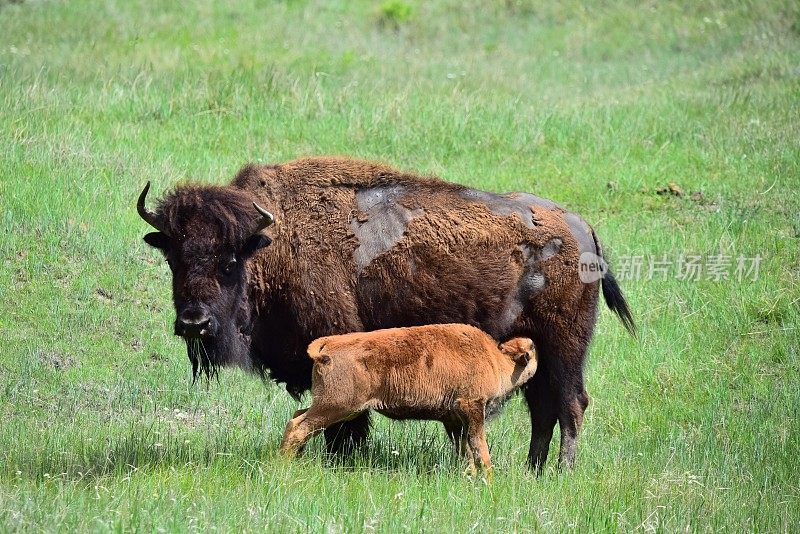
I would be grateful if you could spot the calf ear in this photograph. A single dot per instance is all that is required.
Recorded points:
(514, 350)
(157, 240)
(526, 344)
(517, 347)
(255, 243)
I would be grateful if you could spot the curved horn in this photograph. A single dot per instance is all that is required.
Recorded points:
(266, 218)
(148, 216)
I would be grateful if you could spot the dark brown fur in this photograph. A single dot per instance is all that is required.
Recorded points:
(360, 246)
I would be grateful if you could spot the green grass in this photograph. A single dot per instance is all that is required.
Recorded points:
(694, 427)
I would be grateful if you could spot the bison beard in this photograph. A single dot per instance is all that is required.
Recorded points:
(202, 364)
(207, 354)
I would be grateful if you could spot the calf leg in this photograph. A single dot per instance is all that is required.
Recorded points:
(296, 434)
(305, 424)
(475, 414)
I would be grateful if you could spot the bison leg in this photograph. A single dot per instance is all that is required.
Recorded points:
(567, 361)
(557, 395)
(542, 404)
(343, 438)
(573, 404)
(556, 391)
(457, 432)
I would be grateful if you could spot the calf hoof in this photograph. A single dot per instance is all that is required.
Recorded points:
(471, 471)
(290, 452)
(488, 476)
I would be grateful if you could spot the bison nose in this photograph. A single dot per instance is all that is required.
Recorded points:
(193, 326)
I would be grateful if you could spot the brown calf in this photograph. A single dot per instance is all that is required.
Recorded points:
(449, 373)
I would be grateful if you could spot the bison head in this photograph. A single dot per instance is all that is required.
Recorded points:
(206, 234)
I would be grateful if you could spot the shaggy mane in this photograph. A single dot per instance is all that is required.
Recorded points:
(333, 171)
(230, 209)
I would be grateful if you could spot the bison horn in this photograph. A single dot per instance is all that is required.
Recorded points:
(148, 216)
(266, 218)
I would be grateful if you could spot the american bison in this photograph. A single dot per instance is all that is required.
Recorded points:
(452, 373)
(359, 246)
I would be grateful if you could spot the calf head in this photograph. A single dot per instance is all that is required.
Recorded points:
(520, 349)
(206, 234)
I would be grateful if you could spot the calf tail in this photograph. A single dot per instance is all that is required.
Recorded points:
(612, 294)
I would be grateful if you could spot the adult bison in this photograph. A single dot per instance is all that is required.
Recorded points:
(361, 246)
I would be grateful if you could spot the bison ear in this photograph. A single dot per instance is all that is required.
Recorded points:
(157, 240)
(255, 243)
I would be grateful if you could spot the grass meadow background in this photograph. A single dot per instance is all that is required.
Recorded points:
(597, 105)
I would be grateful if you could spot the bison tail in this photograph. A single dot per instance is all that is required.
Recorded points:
(616, 301)
(613, 296)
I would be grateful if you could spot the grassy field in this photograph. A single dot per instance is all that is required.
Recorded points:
(694, 427)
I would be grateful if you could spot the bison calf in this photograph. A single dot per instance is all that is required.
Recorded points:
(450, 373)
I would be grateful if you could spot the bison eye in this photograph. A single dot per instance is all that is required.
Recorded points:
(229, 266)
